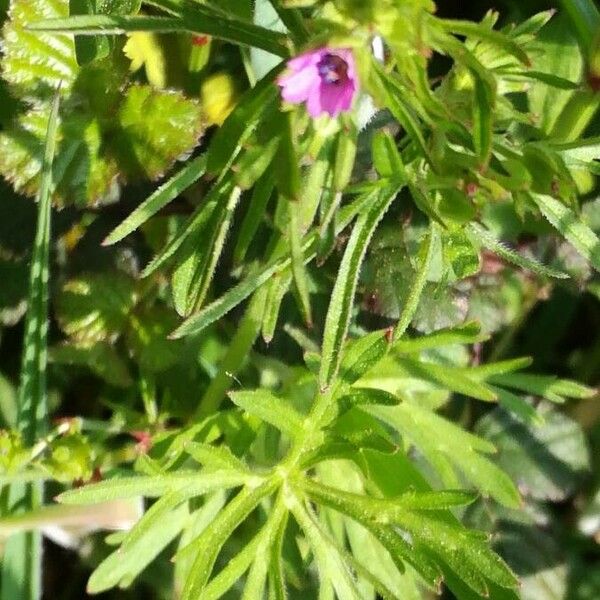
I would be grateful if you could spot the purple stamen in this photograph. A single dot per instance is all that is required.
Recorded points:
(333, 69)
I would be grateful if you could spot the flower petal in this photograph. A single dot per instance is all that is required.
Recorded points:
(306, 60)
(336, 99)
(313, 104)
(296, 86)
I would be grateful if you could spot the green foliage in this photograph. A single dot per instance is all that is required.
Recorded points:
(106, 136)
(22, 561)
(396, 261)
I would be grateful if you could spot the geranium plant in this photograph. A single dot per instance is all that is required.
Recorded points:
(280, 336)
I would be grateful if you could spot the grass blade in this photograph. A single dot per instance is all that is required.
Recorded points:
(22, 562)
(193, 18)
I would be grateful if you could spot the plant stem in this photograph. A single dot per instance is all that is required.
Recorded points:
(237, 352)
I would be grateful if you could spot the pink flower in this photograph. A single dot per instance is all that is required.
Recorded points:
(325, 79)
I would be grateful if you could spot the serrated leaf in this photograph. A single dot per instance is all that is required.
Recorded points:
(95, 307)
(155, 127)
(34, 63)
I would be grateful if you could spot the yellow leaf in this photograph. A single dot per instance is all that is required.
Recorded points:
(218, 98)
(144, 50)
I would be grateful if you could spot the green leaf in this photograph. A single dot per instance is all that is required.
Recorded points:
(247, 286)
(153, 486)
(261, 194)
(426, 254)
(155, 530)
(271, 409)
(358, 507)
(585, 241)
(358, 396)
(22, 561)
(464, 550)
(330, 563)
(200, 266)
(435, 500)
(188, 238)
(208, 544)
(167, 192)
(518, 406)
(555, 51)
(469, 333)
(461, 255)
(547, 386)
(100, 357)
(481, 32)
(502, 367)
(90, 49)
(190, 17)
(34, 63)
(236, 567)
(96, 307)
(447, 447)
(397, 105)
(219, 457)
(155, 127)
(450, 378)
(96, 149)
(342, 297)
(548, 462)
(277, 587)
(257, 576)
(487, 239)
(484, 104)
(298, 268)
(362, 354)
(585, 17)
